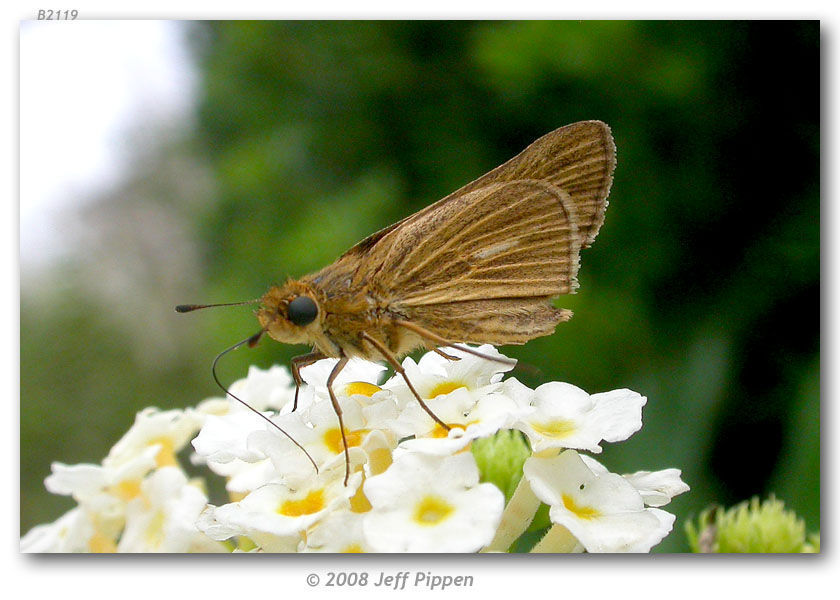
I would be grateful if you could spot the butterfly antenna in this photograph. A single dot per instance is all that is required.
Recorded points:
(185, 308)
(252, 341)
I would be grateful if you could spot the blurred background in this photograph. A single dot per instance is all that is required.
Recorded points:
(172, 162)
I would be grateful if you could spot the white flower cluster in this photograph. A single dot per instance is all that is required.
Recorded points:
(137, 500)
(413, 486)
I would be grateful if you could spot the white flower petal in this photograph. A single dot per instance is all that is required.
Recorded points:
(424, 503)
(356, 369)
(280, 512)
(620, 532)
(265, 389)
(223, 439)
(565, 416)
(340, 532)
(474, 371)
(658, 487)
(602, 510)
(71, 532)
(80, 481)
(164, 518)
(170, 429)
(617, 414)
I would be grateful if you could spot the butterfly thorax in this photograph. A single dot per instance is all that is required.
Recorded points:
(342, 310)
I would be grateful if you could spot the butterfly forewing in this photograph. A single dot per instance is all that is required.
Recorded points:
(482, 264)
(578, 158)
(508, 240)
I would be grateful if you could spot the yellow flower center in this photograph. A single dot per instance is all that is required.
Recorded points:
(237, 496)
(99, 544)
(312, 503)
(352, 549)
(432, 510)
(127, 489)
(440, 432)
(359, 503)
(362, 388)
(154, 532)
(166, 455)
(332, 439)
(582, 512)
(559, 428)
(379, 460)
(445, 387)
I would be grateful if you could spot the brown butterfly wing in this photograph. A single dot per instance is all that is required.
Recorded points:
(482, 264)
(506, 240)
(578, 158)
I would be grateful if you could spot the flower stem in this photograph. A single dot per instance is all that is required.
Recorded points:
(517, 516)
(557, 540)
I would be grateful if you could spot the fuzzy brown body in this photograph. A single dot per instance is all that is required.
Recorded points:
(480, 266)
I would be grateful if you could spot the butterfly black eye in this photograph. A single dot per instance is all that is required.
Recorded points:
(302, 310)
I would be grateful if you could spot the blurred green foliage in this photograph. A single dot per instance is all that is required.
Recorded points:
(701, 292)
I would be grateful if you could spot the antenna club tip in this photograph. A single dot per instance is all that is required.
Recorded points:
(182, 308)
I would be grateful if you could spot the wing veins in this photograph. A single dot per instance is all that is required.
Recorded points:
(460, 235)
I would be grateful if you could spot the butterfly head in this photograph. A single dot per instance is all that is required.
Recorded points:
(290, 313)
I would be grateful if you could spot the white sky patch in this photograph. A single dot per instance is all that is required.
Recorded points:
(83, 86)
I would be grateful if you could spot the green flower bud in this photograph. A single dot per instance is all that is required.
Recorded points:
(500, 459)
(750, 527)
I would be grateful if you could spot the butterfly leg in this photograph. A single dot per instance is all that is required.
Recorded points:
(392, 360)
(298, 362)
(333, 374)
(432, 337)
(445, 355)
